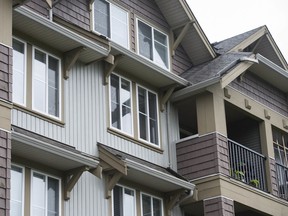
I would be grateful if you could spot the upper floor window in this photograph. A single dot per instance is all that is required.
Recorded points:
(121, 113)
(19, 72)
(111, 21)
(153, 44)
(124, 201)
(151, 206)
(121, 110)
(147, 115)
(46, 83)
(280, 141)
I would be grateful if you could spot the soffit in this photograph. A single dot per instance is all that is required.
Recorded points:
(42, 30)
(195, 43)
(42, 150)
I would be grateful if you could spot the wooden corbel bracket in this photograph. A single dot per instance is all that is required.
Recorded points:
(111, 67)
(70, 57)
(111, 182)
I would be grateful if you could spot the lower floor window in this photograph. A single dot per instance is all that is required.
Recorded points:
(17, 182)
(151, 206)
(123, 201)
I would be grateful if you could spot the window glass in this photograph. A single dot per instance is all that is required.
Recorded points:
(120, 94)
(151, 206)
(123, 201)
(280, 146)
(53, 197)
(153, 44)
(16, 191)
(111, 21)
(53, 87)
(157, 207)
(18, 72)
(143, 118)
(146, 205)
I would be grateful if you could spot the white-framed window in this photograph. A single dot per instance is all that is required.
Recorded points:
(153, 44)
(111, 21)
(46, 75)
(121, 104)
(147, 115)
(124, 201)
(19, 72)
(17, 191)
(151, 206)
(45, 195)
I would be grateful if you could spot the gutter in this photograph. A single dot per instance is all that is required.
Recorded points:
(160, 175)
(272, 65)
(61, 30)
(61, 152)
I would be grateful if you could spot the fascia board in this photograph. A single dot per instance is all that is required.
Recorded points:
(61, 30)
(273, 66)
(163, 176)
(38, 144)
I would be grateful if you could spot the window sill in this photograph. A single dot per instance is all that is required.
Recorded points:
(136, 141)
(38, 115)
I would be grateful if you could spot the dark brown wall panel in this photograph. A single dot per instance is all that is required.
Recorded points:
(263, 92)
(203, 156)
(219, 206)
(5, 73)
(39, 6)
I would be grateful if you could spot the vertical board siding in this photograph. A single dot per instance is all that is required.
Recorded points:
(86, 118)
(219, 206)
(203, 156)
(74, 11)
(263, 92)
(5, 72)
(39, 6)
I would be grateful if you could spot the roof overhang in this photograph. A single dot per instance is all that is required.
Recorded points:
(53, 154)
(271, 73)
(139, 171)
(40, 29)
(137, 66)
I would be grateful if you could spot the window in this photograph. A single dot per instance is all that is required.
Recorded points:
(121, 113)
(280, 141)
(17, 191)
(19, 72)
(46, 83)
(153, 44)
(121, 110)
(45, 196)
(123, 201)
(147, 115)
(151, 206)
(111, 21)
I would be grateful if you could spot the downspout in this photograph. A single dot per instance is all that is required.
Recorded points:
(167, 131)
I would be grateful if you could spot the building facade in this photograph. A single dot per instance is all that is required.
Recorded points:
(123, 107)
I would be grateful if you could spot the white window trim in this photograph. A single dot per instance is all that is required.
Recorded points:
(153, 46)
(128, 23)
(132, 108)
(25, 70)
(46, 177)
(60, 84)
(162, 203)
(138, 121)
(23, 186)
(135, 198)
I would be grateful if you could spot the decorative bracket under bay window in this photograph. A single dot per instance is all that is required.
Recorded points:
(111, 181)
(71, 178)
(111, 67)
(70, 57)
(166, 97)
(175, 197)
(181, 36)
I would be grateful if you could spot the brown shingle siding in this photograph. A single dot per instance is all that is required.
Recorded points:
(39, 6)
(5, 73)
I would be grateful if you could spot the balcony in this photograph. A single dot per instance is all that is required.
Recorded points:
(247, 165)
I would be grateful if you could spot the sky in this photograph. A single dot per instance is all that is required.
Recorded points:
(221, 19)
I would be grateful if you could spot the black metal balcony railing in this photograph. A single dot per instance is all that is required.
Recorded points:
(247, 165)
(282, 177)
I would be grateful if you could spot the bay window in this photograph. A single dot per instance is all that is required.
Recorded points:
(124, 201)
(151, 206)
(111, 21)
(46, 83)
(19, 72)
(153, 45)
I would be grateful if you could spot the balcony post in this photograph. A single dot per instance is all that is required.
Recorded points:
(268, 151)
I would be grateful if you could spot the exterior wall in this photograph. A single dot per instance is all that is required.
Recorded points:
(5, 72)
(262, 92)
(39, 6)
(203, 156)
(85, 94)
(273, 177)
(218, 206)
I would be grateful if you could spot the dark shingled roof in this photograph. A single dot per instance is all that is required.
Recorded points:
(213, 68)
(226, 45)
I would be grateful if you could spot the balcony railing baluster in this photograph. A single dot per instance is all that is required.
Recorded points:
(247, 165)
